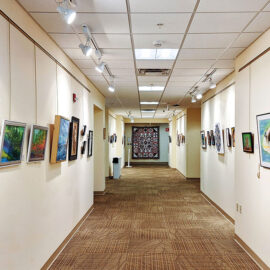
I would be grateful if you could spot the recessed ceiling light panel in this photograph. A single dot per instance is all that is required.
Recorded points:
(151, 88)
(156, 54)
(149, 102)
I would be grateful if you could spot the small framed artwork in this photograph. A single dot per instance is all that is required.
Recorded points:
(37, 143)
(219, 139)
(60, 139)
(203, 139)
(83, 131)
(170, 139)
(208, 138)
(178, 140)
(183, 139)
(248, 142)
(233, 136)
(263, 125)
(11, 147)
(73, 138)
(83, 147)
(90, 144)
(104, 133)
(212, 137)
(228, 137)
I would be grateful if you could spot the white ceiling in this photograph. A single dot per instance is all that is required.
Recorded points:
(218, 32)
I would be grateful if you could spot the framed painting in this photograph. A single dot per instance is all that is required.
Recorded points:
(83, 131)
(73, 138)
(233, 136)
(228, 137)
(60, 139)
(90, 144)
(212, 137)
(170, 139)
(203, 139)
(37, 143)
(219, 140)
(209, 138)
(83, 147)
(11, 147)
(263, 125)
(248, 142)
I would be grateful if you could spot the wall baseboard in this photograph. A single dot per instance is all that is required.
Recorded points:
(148, 163)
(218, 208)
(251, 253)
(99, 193)
(53, 257)
(193, 178)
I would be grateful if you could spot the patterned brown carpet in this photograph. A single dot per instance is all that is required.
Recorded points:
(152, 219)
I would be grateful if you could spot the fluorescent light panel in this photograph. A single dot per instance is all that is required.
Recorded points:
(151, 88)
(147, 111)
(149, 102)
(156, 54)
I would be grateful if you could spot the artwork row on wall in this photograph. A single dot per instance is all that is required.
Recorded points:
(65, 137)
(180, 138)
(216, 138)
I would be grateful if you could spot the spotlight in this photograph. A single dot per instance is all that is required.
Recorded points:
(86, 49)
(68, 14)
(100, 67)
(212, 85)
(111, 88)
(193, 99)
(199, 96)
(98, 53)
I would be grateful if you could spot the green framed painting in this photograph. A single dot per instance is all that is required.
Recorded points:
(248, 142)
(12, 139)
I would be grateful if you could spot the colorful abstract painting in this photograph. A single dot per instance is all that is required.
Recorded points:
(219, 138)
(37, 143)
(145, 142)
(248, 143)
(12, 142)
(263, 123)
(60, 139)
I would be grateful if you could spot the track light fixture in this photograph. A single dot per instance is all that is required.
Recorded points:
(68, 14)
(86, 49)
(199, 96)
(193, 99)
(100, 68)
(111, 88)
(212, 85)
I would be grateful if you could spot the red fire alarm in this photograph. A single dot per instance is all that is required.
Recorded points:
(74, 97)
(167, 129)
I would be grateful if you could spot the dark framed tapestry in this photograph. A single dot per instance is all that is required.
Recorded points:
(145, 142)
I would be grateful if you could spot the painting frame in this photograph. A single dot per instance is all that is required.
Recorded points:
(31, 159)
(233, 136)
(219, 139)
(73, 138)
(63, 123)
(203, 140)
(6, 123)
(263, 129)
(90, 143)
(250, 136)
(228, 138)
(213, 143)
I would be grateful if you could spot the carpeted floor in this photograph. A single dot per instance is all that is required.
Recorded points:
(152, 219)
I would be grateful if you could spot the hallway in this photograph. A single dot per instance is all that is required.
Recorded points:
(153, 219)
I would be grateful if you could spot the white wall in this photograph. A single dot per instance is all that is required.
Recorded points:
(181, 154)
(253, 193)
(40, 203)
(163, 143)
(217, 171)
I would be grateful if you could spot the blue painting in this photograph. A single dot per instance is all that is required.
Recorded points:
(63, 140)
(263, 122)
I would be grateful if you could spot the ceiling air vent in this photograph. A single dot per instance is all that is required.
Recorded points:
(153, 72)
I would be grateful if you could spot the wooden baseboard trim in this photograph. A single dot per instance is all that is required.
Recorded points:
(251, 253)
(218, 208)
(54, 256)
(99, 193)
(192, 179)
(148, 163)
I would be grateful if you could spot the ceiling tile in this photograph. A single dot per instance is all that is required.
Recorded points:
(113, 41)
(143, 41)
(209, 40)
(114, 63)
(173, 23)
(82, 5)
(150, 96)
(260, 24)
(117, 54)
(184, 78)
(85, 63)
(224, 64)
(220, 22)
(155, 80)
(180, 84)
(162, 6)
(122, 71)
(194, 63)
(66, 41)
(154, 64)
(199, 53)
(188, 72)
(230, 5)
(76, 54)
(98, 22)
(245, 39)
(231, 53)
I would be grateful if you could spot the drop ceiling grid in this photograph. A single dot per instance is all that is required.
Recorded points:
(214, 27)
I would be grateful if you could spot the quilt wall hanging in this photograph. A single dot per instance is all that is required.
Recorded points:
(145, 142)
